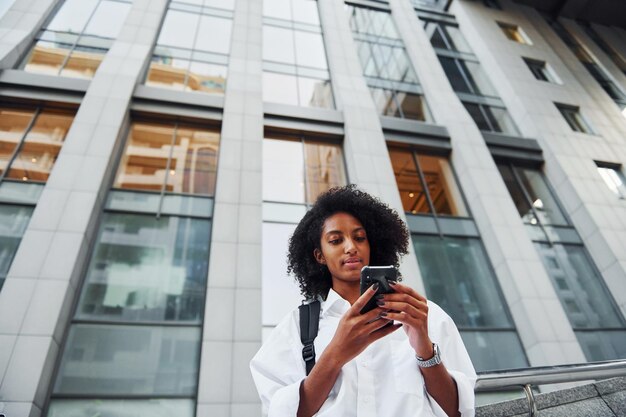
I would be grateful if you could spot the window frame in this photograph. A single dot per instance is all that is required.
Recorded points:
(514, 32)
(617, 168)
(574, 118)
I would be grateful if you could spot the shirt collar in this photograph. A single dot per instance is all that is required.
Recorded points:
(334, 305)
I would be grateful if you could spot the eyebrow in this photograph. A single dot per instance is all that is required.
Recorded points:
(339, 232)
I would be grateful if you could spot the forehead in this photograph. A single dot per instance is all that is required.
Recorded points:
(342, 222)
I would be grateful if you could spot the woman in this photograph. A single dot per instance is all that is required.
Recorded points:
(363, 367)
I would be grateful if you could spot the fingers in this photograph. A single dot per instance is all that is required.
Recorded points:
(363, 299)
(403, 289)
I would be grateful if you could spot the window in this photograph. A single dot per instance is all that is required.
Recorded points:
(541, 70)
(457, 276)
(297, 169)
(613, 178)
(191, 52)
(605, 46)
(491, 119)
(426, 183)
(75, 40)
(467, 76)
(579, 286)
(295, 70)
(573, 118)
(514, 33)
(445, 36)
(386, 66)
(135, 335)
(30, 141)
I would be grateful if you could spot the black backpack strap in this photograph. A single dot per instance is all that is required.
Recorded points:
(309, 325)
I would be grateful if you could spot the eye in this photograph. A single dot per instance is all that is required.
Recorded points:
(335, 241)
(360, 238)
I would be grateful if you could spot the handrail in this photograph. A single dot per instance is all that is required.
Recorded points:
(527, 377)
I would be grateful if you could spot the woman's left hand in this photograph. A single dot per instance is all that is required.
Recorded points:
(408, 307)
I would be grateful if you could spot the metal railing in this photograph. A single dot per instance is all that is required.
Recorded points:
(528, 377)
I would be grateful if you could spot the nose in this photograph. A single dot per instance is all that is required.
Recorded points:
(349, 247)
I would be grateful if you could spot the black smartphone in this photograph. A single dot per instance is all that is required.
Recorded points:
(380, 275)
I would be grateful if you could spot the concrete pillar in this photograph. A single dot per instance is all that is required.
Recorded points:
(39, 292)
(232, 322)
(520, 272)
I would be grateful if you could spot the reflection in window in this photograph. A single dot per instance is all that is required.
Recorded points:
(74, 42)
(191, 52)
(297, 170)
(613, 178)
(147, 269)
(412, 170)
(13, 222)
(514, 33)
(154, 407)
(386, 65)
(458, 277)
(295, 70)
(174, 158)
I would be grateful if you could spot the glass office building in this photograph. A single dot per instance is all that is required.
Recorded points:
(156, 157)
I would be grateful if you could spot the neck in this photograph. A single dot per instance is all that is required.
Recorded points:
(349, 291)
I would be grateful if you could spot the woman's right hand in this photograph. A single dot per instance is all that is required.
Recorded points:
(357, 331)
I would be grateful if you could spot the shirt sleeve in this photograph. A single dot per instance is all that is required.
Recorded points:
(278, 371)
(455, 358)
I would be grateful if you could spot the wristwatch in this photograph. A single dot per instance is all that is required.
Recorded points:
(427, 363)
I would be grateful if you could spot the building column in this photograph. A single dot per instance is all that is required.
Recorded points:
(41, 287)
(520, 272)
(367, 159)
(232, 321)
(19, 26)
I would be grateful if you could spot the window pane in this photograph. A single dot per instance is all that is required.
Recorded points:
(442, 187)
(481, 83)
(129, 360)
(47, 57)
(208, 78)
(585, 299)
(147, 269)
(436, 38)
(324, 168)
(154, 407)
(603, 345)
(41, 147)
(544, 202)
(614, 180)
(310, 50)
(278, 45)
(179, 29)
(280, 88)
(494, 350)
(517, 194)
(83, 62)
(456, 39)
(73, 16)
(167, 72)
(305, 11)
(13, 222)
(501, 121)
(315, 93)
(279, 9)
(477, 115)
(283, 171)
(13, 124)
(281, 293)
(108, 19)
(457, 276)
(144, 161)
(20, 192)
(413, 106)
(414, 199)
(385, 102)
(214, 34)
(453, 72)
(194, 162)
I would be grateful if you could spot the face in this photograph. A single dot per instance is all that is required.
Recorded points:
(344, 247)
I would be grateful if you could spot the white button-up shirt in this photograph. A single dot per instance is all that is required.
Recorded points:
(383, 381)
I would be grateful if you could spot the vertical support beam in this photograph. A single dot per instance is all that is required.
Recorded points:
(43, 282)
(367, 158)
(232, 322)
(520, 272)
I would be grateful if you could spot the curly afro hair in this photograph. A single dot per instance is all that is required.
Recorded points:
(386, 232)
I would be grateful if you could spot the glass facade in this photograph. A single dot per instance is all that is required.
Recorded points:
(468, 79)
(578, 284)
(30, 141)
(191, 52)
(386, 65)
(74, 41)
(134, 340)
(295, 70)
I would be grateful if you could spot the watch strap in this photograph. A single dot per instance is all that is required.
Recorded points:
(427, 363)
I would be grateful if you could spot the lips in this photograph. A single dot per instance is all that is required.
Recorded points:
(353, 260)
